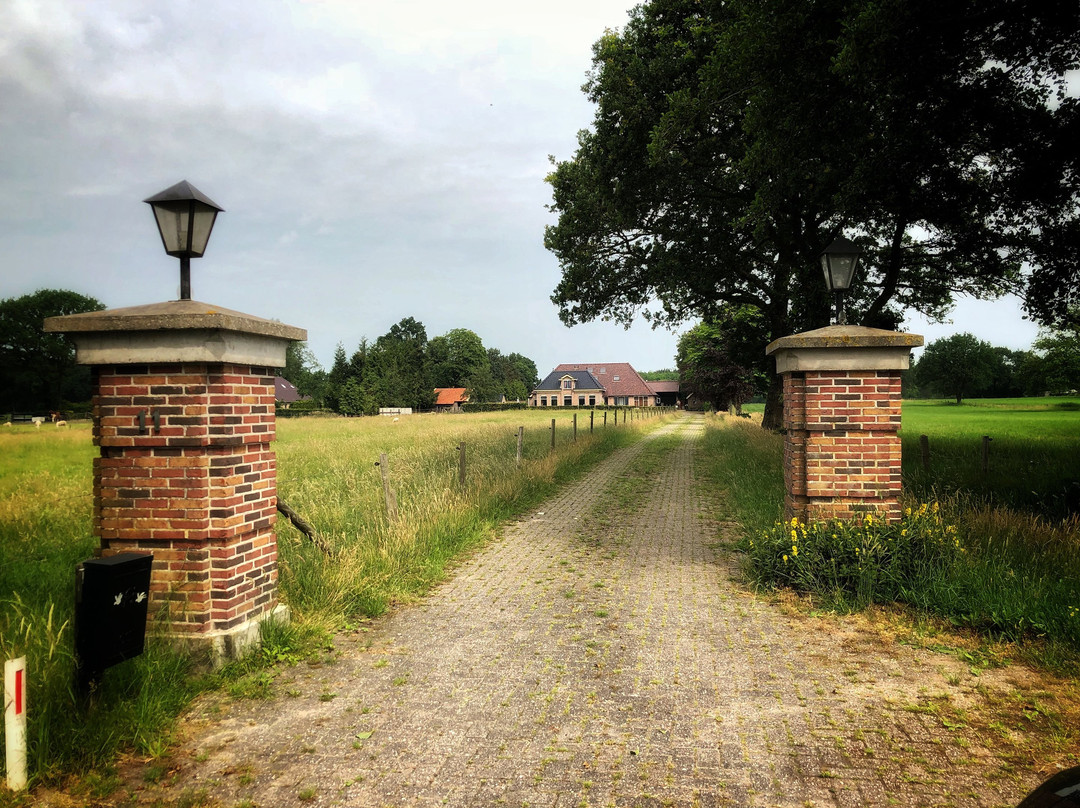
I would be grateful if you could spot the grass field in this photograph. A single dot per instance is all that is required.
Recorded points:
(1034, 461)
(327, 474)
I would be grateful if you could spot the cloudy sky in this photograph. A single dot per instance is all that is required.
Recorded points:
(376, 160)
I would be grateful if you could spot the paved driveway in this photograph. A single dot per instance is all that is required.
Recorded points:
(594, 656)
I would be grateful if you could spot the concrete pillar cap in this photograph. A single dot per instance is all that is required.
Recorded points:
(175, 331)
(844, 347)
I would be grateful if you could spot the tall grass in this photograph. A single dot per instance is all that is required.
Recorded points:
(1010, 575)
(45, 510)
(327, 473)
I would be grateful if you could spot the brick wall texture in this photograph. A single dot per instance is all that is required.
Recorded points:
(186, 472)
(842, 448)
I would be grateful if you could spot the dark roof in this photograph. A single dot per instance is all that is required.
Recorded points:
(286, 391)
(628, 382)
(583, 380)
(665, 386)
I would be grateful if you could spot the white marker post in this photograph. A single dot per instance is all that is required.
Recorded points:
(15, 722)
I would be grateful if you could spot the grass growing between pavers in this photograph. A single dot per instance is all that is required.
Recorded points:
(326, 467)
(1012, 565)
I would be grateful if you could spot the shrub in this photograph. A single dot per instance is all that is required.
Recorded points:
(858, 563)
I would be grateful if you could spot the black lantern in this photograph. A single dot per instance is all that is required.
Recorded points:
(838, 262)
(185, 216)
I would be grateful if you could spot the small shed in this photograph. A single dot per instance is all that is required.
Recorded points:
(666, 392)
(449, 399)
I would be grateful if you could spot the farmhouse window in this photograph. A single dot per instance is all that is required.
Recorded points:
(543, 401)
(581, 401)
(568, 401)
(614, 378)
(568, 384)
(592, 401)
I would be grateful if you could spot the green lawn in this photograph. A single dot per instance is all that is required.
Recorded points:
(1034, 463)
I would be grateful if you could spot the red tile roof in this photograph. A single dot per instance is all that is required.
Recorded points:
(449, 396)
(618, 378)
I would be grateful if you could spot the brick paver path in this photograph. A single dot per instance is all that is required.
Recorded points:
(597, 657)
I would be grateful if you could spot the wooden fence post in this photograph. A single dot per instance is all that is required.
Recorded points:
(461, 463)
(575, 427)
(552, 433)
(924, 451)
(986, 453)
(521, 440)
(388, 492)
(591, 414)
(605, 419)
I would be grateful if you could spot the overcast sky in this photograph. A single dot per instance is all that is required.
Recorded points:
(376, 160)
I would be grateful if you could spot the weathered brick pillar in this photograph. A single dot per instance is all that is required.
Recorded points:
(841, 420)
(184, 418)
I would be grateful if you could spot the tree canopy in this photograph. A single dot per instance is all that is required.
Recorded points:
(958, 365)
(734, 139)
(38, 370)
(403, 367)
(719, 359)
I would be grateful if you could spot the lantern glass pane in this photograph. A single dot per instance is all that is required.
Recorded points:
(843, 267)
(172, 223)
(825, 269)
(200, 231)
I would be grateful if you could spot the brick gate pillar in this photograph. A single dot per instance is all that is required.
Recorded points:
(841, 420)
(183, 411)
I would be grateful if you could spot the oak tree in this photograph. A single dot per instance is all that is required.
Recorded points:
(734, 139)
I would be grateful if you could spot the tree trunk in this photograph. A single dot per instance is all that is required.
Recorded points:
(774, 404)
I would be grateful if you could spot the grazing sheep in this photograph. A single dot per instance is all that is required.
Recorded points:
(60, 424)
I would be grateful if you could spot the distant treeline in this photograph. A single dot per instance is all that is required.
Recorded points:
(403, 367)
(963, 366)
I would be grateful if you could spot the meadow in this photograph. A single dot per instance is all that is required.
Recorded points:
(327, 474)
(1034, 452)
(995, 552)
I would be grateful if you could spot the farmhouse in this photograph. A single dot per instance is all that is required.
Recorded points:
(567, 388)
(588, 385)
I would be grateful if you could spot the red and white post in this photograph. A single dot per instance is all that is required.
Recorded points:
(15, 722)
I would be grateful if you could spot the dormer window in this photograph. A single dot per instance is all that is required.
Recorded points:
(614, 378)
(568, 384)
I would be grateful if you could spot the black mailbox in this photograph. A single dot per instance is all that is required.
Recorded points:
(111, 596)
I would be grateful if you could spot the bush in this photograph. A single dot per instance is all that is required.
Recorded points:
(493, 406)
(927, 562)
(858, 563)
